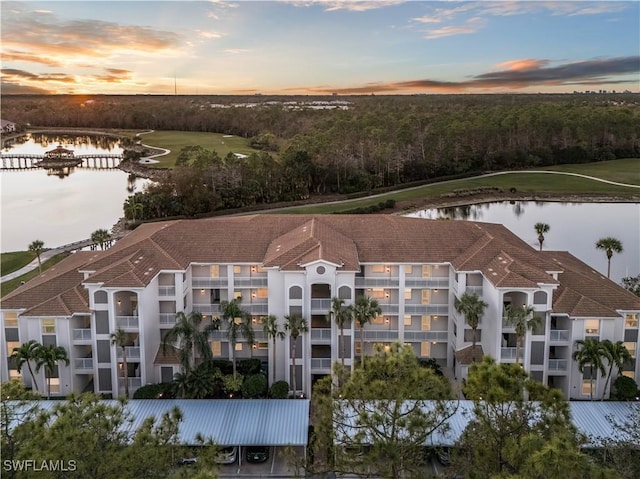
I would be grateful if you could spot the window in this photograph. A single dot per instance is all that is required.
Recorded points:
(378, 268)
(11, 319)
(630, 320)
(586, 387)
(295, 292)
(358, 348)
(378, 320)
(344, 292)
(407, 320)
(426, 271)
(11, 345)
(214, 271)
(377, 293)
(238, 347)
(408, 269)
(49, 326)
(629, 374)
(407, 294)
(425, 348)
(216, 348)
(54, 384)
(426, 323)
(631, 347)
(263, 345)
(592, 327)
(237, 295)
(426, 296)
(262, 292)
(14, 374)
(237, 269)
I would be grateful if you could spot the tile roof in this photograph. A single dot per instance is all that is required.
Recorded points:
(170, 355)
(469, 355)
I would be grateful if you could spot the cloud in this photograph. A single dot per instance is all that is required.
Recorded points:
(10, 88)
(236, 51)
(517, 74)
(17, 56)
(350, 5)
(473, 25)
(12, 74)
(204, 34)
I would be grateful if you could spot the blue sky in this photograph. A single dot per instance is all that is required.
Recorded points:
(319, 47)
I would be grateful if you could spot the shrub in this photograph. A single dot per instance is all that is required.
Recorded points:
(625, 388)
(249, 366)
(224, 365)
(153, 391)
(279, 390)
(254, 386)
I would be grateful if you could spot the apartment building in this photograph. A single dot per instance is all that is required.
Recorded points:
(284, 264)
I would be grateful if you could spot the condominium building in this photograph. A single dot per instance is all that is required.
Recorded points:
(285, 264)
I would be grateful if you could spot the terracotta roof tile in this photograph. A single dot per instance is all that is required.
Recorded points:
(170, 355)
(469, 355)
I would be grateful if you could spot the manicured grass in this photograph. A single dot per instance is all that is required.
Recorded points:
(10, 262)
(523, 182)
(10, 285)
(177, 140)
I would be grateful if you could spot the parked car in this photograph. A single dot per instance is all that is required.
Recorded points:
(227, 455)
(187, 461)
(257, 453)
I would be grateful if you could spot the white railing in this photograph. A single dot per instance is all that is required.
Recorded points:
(474, 289)
(324, 363)
(83, 363)
(207, 308)
(558, 364)
(133, 352)
(437, 282)
(510, 353)
(321, 304)
(168, 318)
(559, 335)
(426, 309)
(320, 334)
(127, 322)
(388, 308)
(361, 282)
(426, 335)
(133, 382)
(166, 290)
(378, 335)
(209, 282)
(253, 282)
(81, 334)
(256, 308)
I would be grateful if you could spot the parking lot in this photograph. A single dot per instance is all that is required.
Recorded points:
(276, 466)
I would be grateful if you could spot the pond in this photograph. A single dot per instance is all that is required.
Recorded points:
(60, 208)
(574, 227)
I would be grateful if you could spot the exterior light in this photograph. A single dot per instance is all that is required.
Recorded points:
(202, 291)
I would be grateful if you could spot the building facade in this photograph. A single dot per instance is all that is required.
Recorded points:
(285, 264)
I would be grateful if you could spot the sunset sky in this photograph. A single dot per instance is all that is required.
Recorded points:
(319, 47)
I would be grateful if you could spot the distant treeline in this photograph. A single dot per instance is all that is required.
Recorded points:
(378, 141)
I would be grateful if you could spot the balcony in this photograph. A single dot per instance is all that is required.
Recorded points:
(559, 335)
(361, 282)
(166, 290)
(82, 334)
(323, 304)
(207, 308)
(321, 335)
(410, 282)
(474, 290)
(426, 335)
(127, 322)
(209, 282)
(168, 318)
(253, 282)
(134, 383)
(83, 363)
(256, 308)
(321, 363)
(380, 335)
(510, 353)
(133, 352)
(558, 364)
(424, 309)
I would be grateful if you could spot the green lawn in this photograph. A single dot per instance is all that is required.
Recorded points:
(10, 262)
(9, 286)
(622, 171)
(177, 140)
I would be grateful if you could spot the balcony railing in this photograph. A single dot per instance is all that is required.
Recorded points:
(127, 322)
(378, 335)
(207, 308)
(168, 318)
(321, 334)
(256, 308)
(83, 363)
(510, 353)
(426, 282)
(321, 304)
(133, 352)
(253, 282)
(320, 363)
(426, 335)
(166, 290)
(209, 282)
(559, 335)
(81, 334)
(361, 282)
(558, 364)
(426, 309)
(474, 290)
(133, 382)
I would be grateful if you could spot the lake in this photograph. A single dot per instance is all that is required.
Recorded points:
(61, 210)
(574, 227)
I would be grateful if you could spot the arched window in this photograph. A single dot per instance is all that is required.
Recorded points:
(344, 292)
(295, 292)
(100, 297)
(540, 297)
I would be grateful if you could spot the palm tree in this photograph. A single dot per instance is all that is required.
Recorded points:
(472, 306)
(121, 339)
(541, 229)
(133, 207)
(616, 355)
(590, 353)
(610, 245)
(49, 356)
(238, 324)
(26, 353)
(342, 315)
(296, 325)
(365, 309)
(101, 237)
(37, 247)
(189, 337)
(270, 327)
(523, 320)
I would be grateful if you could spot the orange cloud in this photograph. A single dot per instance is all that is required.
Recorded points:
(523, 64)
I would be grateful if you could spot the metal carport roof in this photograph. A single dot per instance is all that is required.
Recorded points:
(229, 422)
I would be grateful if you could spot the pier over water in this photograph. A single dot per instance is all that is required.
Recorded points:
(24, 161)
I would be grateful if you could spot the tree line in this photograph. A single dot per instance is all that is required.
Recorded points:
(379, 141)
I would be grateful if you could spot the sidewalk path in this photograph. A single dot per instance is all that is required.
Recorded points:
(44, 256)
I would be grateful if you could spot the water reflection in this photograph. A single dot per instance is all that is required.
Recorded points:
(575, 227)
